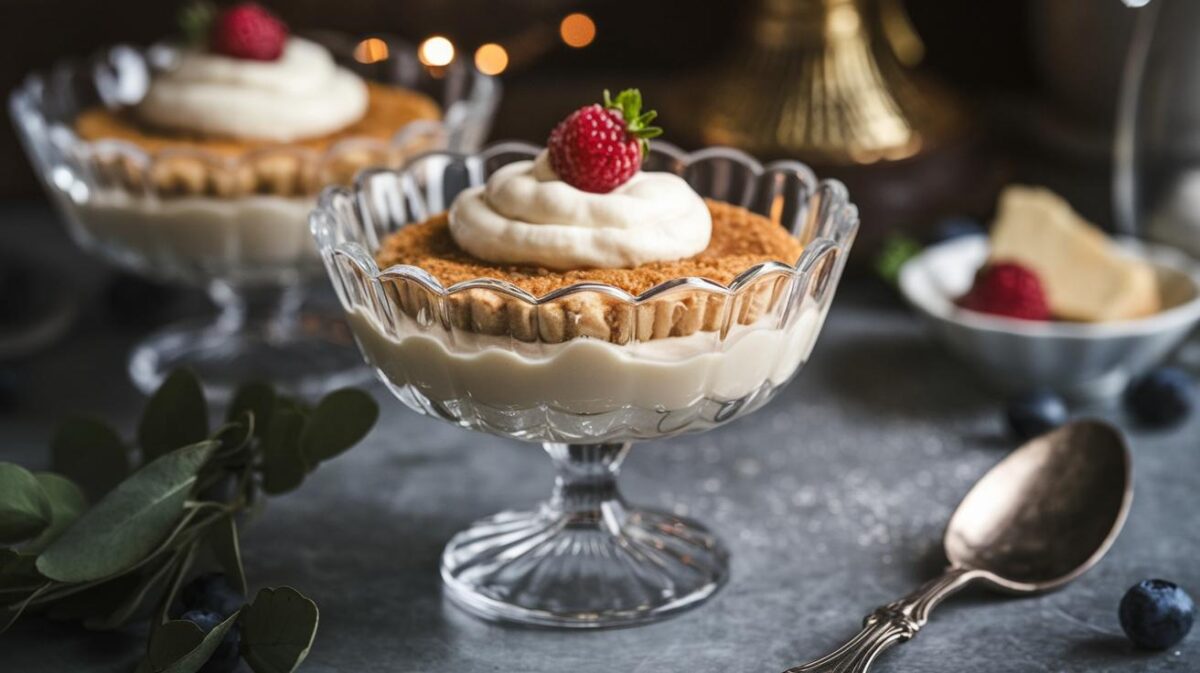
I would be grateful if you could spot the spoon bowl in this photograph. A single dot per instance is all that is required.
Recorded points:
(1047, 512)
(1037, 520)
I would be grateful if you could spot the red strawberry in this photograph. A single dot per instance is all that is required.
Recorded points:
(1007, 289)
(248, 31)
(598, 148)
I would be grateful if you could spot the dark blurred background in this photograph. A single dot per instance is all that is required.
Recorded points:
(1037, 76)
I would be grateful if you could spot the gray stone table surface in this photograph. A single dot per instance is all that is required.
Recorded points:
(833, 499)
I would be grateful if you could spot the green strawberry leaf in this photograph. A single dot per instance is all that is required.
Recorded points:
(629, 104)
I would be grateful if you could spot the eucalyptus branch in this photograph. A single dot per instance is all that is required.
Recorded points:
(143, 536)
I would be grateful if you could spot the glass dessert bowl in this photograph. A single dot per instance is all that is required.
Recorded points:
(148, 180)
(586, 369)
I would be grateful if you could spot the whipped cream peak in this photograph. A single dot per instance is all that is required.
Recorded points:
(302, 94)
(526, 215)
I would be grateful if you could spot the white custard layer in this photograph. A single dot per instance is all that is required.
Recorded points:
(588, 376)
(223, 235)
(526, 215)
(303, 94)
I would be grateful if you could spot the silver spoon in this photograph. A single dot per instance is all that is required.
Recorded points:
(1040, 518)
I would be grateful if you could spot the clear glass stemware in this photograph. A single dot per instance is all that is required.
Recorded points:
(1157, 157)
(232, 224)
(1156, 186)
(684, 356)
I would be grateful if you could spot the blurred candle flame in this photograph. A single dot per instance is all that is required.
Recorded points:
(436, 51)
(491, 59)
(371, 50)
(577, 30)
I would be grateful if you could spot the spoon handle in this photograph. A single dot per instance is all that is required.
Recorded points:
(893, 623)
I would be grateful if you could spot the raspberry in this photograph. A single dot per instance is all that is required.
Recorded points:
(598, 148)
(1007, 289)
(248, 31)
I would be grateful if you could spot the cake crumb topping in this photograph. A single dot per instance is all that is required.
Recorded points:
(740, 239)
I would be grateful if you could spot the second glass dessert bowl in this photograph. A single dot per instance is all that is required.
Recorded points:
(231, 221)
(585, 370)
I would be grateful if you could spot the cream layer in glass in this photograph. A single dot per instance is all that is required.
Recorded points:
(588, 376)
(204, 231)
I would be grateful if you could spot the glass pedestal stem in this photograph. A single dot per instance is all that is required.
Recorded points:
(259, 334)
(585, 485)
(584, 559)
(270, 310)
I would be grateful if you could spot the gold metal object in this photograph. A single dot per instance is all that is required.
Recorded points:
(1039, 519)
(828, 81)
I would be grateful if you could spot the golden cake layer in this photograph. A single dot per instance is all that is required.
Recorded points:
(186, 165)
(740, 240)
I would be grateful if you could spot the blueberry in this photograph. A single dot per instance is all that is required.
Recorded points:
(956, 226)
(1156, 614)
(1161, 398)
(226, 656)
(1034, 413)
(212, 592)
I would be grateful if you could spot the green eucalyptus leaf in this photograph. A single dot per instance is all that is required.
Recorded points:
(129, 523)
(256, 398)
(148, 584)
(278, 629)
(24, 506)
(10, 614)
(340, 420)
(223, 542)
(67, 502)
(175, 416)
(235, 435)
(95, 601)
(171, 642)
(90, 453)
(194, 659)
(178, 575)
(283, 463)
(294, 404)
(18, 572)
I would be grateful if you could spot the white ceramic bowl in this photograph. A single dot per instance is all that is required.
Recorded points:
(1080, 360)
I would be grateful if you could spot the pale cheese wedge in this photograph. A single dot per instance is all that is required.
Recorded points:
(1085, 276)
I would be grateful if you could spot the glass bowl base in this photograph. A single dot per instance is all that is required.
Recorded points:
(567, 569)
(311, 358)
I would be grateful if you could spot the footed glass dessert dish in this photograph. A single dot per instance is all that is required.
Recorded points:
(225, 215)
(585, 370)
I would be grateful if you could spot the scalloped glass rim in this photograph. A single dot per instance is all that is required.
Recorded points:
(839, 210)
(28, 105)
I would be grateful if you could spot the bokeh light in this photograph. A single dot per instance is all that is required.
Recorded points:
(436, 51)
(577, 30)
(491, 59)
(371, 50)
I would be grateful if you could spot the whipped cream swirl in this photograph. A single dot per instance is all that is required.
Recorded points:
(526, 215)
(301, 95)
